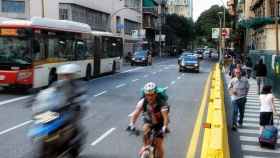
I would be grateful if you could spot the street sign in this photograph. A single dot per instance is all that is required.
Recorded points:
(226, 32)
(215, 33)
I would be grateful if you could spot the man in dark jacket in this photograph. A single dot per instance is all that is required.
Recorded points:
(261, 73)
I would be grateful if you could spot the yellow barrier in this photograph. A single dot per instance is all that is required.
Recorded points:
(215, 139)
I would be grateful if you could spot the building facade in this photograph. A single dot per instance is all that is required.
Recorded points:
(121, 17)
(181, 7)
(257, 17)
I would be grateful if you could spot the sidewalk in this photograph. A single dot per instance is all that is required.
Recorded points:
(244, 142)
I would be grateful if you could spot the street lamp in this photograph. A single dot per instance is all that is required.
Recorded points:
(276, 26)
(43, 8)
(220, 37)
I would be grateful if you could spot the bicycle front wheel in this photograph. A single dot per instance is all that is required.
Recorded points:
(146, 154)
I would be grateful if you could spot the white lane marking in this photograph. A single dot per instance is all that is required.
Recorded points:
(178, 78)
(160, 70)
(131, 70)
(146, 76)
(103, 136)
(166, 68)
(15, 127)
(135, 80)
(250, 125)
(183, 74)
(173, 82)
(258, 149)
(154, 73)
(251, 156)
(99, 94)
(13, 100)
(121, 85)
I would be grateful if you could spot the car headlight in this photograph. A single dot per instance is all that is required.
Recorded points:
(143, 58)
(183, 64)
(133, 58)
(196, 65)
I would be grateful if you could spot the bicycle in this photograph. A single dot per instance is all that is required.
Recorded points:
(150, 151)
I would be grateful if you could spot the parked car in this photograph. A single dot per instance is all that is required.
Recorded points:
(185, 53)
(189, 62)
(142, 57)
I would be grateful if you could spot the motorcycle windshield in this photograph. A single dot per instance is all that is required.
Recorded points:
(39, 130)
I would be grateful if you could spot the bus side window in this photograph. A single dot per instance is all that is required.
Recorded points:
(38, 50)
(81, 50)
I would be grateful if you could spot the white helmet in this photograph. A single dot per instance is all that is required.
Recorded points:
(68, 69)
(48, 100)
(150, 88)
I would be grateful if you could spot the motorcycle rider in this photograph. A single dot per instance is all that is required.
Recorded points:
(66, 97)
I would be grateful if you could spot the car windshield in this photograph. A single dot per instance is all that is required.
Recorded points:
(190, 58)
(14, 50)
(140, 54)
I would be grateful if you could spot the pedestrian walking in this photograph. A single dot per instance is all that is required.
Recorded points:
(232, 66)
(261, 73)
(238, 88)
(249, 66)
(267, 109)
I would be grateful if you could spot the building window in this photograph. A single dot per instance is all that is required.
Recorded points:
(63, 14)
(134, 4)
(118, 24)
(129, 26)
(12, 6)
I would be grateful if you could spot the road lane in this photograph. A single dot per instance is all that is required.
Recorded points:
(110, 110)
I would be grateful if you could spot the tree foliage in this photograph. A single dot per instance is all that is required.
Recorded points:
(207, 20)
(179, 30)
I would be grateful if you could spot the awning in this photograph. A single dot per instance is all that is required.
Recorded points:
(149, 3)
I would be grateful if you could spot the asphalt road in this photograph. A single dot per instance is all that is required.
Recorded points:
(111, 99)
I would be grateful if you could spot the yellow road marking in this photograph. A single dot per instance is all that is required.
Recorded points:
(197, 128)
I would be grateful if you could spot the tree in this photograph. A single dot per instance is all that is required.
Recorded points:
(179, 31)
(207, 20)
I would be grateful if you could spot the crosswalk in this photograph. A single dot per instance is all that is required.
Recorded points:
(249, 133)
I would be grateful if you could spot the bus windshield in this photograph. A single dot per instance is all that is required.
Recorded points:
(14, 50)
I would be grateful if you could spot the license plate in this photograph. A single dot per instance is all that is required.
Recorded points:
(2, 77)
(190, 67)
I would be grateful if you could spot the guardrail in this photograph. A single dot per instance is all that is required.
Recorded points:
(215, 139)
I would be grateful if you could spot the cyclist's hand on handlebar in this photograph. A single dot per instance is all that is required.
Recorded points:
(130, 127)
(164, 129)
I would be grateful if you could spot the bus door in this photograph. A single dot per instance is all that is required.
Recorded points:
(97, 55)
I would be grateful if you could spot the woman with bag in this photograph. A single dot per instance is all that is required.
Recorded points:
(267, 109)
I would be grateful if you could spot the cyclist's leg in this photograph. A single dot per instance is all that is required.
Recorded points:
(159, 147)
(146, 129)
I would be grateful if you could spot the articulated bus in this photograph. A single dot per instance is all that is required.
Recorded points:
(31, 51)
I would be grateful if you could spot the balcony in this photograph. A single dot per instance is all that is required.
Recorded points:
(148, 22)
(256, 4)
(151, 11)
(230, 3)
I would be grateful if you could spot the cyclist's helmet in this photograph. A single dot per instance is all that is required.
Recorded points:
(150, 88)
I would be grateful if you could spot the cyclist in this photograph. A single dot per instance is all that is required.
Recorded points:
(155, 114)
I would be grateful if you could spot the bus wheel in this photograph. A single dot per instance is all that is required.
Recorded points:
(52, 76)
(88, 73)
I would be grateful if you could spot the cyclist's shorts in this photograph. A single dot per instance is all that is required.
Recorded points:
(157, 128)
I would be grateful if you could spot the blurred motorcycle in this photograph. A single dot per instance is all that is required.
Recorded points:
(56, 131)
